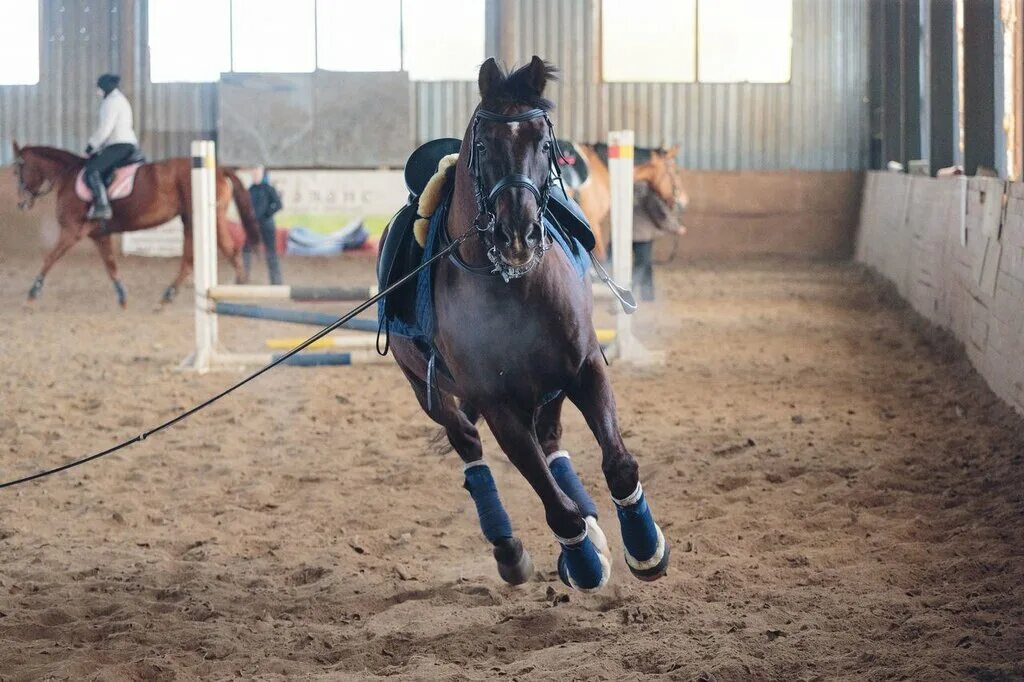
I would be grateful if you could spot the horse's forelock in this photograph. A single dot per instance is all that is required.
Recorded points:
(523, 85)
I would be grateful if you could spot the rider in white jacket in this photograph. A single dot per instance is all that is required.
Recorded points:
(113, 143)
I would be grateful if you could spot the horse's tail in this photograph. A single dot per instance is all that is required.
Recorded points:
(245, 210)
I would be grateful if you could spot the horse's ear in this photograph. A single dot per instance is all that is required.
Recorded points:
(17, 149)
(540, 72)
(490, 76)
(672, 152)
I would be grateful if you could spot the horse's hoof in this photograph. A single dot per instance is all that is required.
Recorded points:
(169, 294)
(514, 563)
(655, 567)
(582, 567)
(36, 289)
(122, 295)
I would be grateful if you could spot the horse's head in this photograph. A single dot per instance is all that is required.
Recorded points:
(510, 150)
(661, 172)
(32, 181)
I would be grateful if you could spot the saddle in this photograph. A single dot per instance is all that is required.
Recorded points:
(573, 165)
(119, 181)
(399, 252)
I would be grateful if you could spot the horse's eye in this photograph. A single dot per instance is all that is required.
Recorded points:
(481, 148)
(546, 146)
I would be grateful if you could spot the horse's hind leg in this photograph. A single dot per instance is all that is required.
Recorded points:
(580, 565)
(185, 267)
(647, 551)
(514, 564)
(227, 244)
(106, 249)
(549, 433)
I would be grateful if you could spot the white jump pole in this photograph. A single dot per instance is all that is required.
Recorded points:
(620, 170)
(204, 249)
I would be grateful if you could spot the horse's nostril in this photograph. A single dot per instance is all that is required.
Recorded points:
(505, 236)
(532, 234)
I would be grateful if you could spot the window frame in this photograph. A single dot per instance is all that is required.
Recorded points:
(38, 53)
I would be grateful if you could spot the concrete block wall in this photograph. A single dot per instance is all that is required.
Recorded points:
(954, 248)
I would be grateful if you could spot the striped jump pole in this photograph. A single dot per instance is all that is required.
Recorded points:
(204, 251)
(304, 359)
(284, 292)
(620, 171)
(309, 317)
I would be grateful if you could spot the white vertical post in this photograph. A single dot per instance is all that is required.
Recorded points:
(204, 249)
(620, 169)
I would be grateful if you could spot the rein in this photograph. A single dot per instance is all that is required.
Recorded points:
(451, 247)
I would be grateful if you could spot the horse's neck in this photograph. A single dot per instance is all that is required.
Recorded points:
(56, 165)
(644, 173)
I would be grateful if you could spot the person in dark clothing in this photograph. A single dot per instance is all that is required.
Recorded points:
(650, 218)
(265, 203)
(112, 144)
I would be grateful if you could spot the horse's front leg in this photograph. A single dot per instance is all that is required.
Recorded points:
(70, 233)
(580, 564)
(514, 564)
(647, 551)
(105, 246)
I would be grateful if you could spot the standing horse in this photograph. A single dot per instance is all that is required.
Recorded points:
(515, 337)
(162, 192)
(656, 167)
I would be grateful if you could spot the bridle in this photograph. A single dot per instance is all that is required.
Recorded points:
(486, 220)
(29, 195)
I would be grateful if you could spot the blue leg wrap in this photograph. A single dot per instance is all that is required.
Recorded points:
(646, 549)
(37, 288)
(122, 296)
(582, 567)
(566, 478)
(494, 521)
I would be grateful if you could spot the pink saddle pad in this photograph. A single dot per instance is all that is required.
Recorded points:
(120, 187)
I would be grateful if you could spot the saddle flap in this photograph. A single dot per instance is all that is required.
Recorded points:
(570, 218)
(398, 250)
(118, 187)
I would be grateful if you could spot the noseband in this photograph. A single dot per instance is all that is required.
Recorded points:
(486, 220)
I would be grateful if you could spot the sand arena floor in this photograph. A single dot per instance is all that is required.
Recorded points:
(844, 496)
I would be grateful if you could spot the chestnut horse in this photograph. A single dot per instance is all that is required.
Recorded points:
(656, 167)
(162, 191)
(514, 336)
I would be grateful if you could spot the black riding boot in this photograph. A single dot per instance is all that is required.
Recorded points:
(100, 209)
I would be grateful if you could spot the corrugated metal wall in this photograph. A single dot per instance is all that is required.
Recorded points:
(818, 121)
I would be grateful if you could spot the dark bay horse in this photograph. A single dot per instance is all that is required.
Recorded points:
(514, 346)
(657, 167)
(162, 191)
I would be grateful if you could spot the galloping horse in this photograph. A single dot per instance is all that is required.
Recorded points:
(162, 192)
(656, 167)
(514, 337)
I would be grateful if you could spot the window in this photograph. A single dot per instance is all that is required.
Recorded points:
(189, 40)
(707, 40)
(443, 39)
(739, 41)
(648, 40)
(19, 42)
(197, 40)
(271, 36)
(353, 35)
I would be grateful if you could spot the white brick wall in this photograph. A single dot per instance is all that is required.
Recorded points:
(910, 232)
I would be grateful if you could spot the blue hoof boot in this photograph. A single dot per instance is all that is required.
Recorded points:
(122, 295)
(169, 294)
(36, 289)
(582, 567)
(647, 551)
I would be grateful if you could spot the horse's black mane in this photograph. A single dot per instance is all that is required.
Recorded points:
(516, 87)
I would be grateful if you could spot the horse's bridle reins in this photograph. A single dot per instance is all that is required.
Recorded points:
(486, 220)
(29, 195)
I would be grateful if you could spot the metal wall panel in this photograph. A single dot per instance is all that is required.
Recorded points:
(818, 121)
